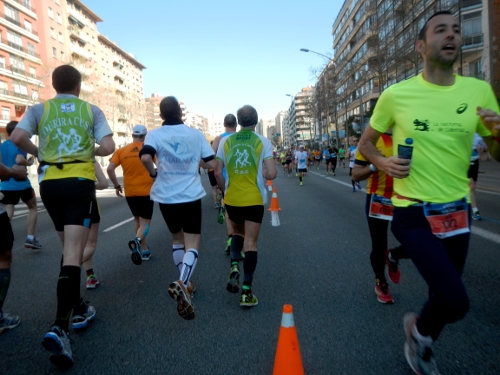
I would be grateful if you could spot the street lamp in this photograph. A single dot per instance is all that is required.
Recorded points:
(317, 53)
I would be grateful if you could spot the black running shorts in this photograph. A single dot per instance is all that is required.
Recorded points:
(473, 170)
(141, 206)
(7, 235)
(248, 213)
(96, 213)
(211, 177)
(69, 201)
(302, 170)
(182, 216)
(13, 196)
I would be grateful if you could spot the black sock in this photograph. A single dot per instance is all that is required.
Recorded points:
(236, 247)
(300, 178)
(249, 265)
(353, 182)
(350, 171)
(68, 294)
(4, 285)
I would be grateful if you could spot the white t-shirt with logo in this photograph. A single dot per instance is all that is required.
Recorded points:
(179, 150)
(302, 159)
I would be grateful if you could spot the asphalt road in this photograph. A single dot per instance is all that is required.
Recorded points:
(317, 260)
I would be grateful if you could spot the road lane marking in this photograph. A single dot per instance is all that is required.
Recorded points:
(486, 234)
(118, 225)
(337, 181)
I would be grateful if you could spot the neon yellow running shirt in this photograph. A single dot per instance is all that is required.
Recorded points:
(442, 121)
(243, 154)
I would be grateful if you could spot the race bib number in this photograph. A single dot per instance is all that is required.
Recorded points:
(448, 219)
(381, 207)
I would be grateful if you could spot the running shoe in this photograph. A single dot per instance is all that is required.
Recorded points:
(57, 342)
(32, 244)
(383, 294)
(392, 271)
(358, 185)
(333, 173)
(222, 215)
(247, 298)
(191, 288)
(228, 246)
(353, 189)
(135, 247)
(146, 254)
(233, 281)
(8, 321)
(92, 282)
(178, 292)
(82, 315)
(296, 175)
(418, 351)
(477, 216)
(216, 205)
(300, 183)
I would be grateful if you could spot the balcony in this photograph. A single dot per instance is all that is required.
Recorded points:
(14, 97)
(78, 35)
(23, 6)
(85, 72)
(80, 51)
(472, 41)
(76, 16)
(120, 74)
(87, 88)
(121, 88)
(19, 50)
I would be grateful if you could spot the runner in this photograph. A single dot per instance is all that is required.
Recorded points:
(342, 156)
(425, 116)
(7, 321)
(247, 157)
(289, 160)
(177, 188)
(283, 160)
(477, 147)
(302, 163)
(333, 159)
(137, 184)
(230, 125)
(351, 154)
(317, 157)
(66, 127)
(378, 210)
(327, 157)
(213, 184)
(295, 152)
(310, 158)
(14, 191)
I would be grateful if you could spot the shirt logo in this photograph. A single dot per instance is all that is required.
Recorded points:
(461, 109)
(422, 126)
(135, 149)
(68, 107)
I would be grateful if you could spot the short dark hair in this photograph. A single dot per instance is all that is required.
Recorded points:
(11, 126)
(247, 116)
(230, 121)
(170, 108)
(423, 31)
(65, 78)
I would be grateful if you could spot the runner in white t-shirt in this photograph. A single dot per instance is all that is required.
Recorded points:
(179, 150)
(351, 154)
(301, 160)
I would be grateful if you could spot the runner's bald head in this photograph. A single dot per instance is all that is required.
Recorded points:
(66, 79)
(170, 108)
(247, 116)
(230, 121)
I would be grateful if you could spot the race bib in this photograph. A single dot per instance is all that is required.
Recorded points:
(448, 219)
(381, 207)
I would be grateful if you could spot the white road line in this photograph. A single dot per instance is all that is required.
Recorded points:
(486, 234)
(118, 225)
(334, 180)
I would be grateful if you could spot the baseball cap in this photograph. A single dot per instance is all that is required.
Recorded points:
(139, 130)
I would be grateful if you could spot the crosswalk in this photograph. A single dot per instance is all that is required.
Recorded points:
(22, 211)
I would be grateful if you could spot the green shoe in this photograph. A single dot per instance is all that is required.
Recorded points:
(233, 281)
(247, 299)
(228, 246)
(222, 215)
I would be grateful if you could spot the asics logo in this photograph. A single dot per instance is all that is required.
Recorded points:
(461, 109)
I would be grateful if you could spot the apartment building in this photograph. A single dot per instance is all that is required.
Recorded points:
(20, 61)
(373, 45)
(300, 119)
(153, 119)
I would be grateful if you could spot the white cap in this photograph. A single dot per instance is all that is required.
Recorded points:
(139, 130)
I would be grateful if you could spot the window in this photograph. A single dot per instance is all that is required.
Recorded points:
(15, 40)
(17, 64)
(6, 113)
(59, 18)
(52, 33)
(12, 15)
(32, 72)
(27, 4)
(2, 62)
(27, 26)
(476, 69)
(31, 49)
(54, 52)
(20, 89)
(51, 13)
(471, 24)
(62, 55)
(61, 38)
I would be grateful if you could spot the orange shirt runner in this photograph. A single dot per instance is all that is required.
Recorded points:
(136, 179)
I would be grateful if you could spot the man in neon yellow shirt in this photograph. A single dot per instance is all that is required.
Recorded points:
(434, 117)
(67, 128)
(248, 158)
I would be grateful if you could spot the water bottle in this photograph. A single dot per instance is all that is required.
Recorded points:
(405, 151)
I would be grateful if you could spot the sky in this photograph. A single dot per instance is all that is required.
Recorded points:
(218, 55)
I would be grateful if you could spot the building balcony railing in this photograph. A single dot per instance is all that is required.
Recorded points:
(80, 51)
(120, 74)
(121, 88)
(22, 49)
(472, 41)
(75, 33)
(76, 16)
(14, 94)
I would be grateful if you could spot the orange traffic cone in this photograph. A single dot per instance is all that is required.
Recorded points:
(275, 207)
(288, 360)
(269, 185)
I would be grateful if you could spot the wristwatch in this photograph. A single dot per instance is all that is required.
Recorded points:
(373, 168)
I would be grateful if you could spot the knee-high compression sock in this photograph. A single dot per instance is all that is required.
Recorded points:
(236, 247)
(249, 265)
(146, 231)
(188, 264)
(4, 286)
(300, 179)
(68, 294)
(350, 172)
(178, 255)
(353, 183)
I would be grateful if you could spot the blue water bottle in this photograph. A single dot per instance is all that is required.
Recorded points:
(405, 151)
